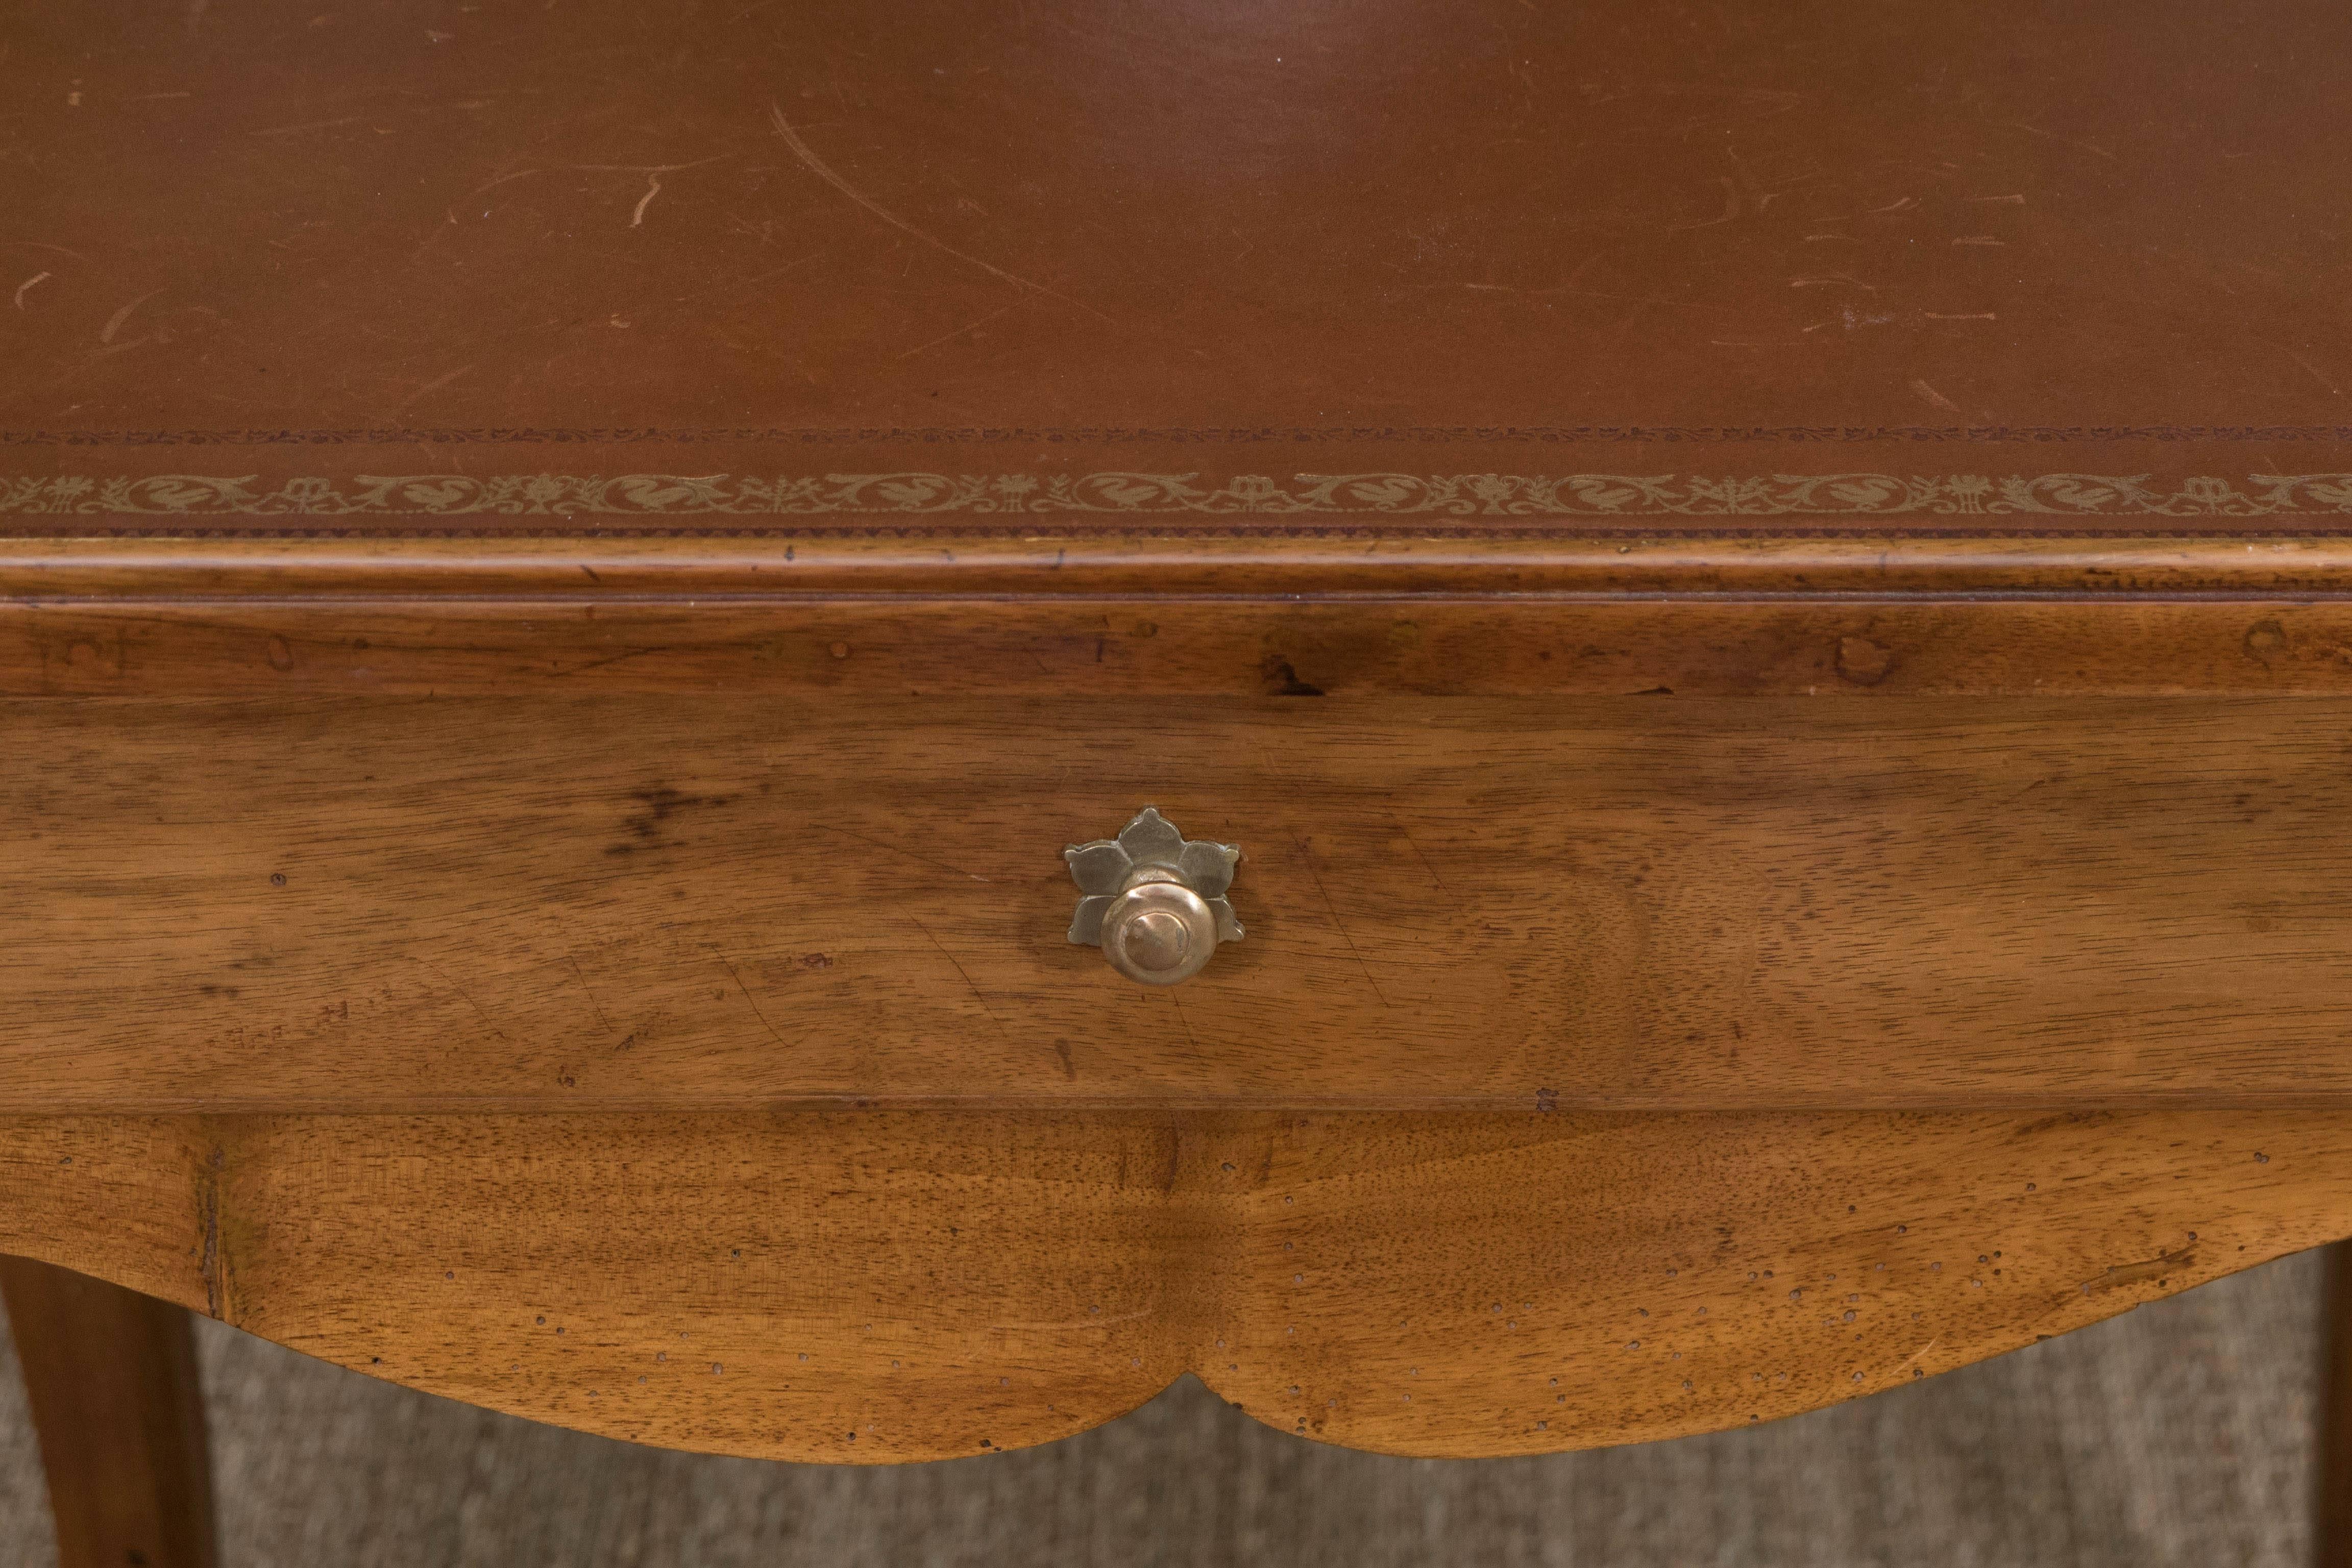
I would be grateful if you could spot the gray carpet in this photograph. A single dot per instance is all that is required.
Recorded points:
(2180, 1434)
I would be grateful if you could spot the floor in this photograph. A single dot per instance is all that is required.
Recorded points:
(2179, 1434)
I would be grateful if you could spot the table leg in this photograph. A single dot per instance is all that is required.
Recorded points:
(111, 1378)
(2334, 1522)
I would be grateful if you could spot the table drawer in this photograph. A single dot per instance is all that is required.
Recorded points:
(645, 900)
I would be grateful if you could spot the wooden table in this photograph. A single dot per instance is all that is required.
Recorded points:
(1761, 600)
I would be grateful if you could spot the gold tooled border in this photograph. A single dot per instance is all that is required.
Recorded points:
(1534, 498)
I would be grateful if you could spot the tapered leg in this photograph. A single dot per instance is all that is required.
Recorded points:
(111, 1378)
(2335, 1542)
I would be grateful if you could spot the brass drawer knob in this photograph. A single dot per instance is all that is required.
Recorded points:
(1155, 901)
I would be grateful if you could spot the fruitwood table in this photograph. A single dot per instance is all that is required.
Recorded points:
(838, 733)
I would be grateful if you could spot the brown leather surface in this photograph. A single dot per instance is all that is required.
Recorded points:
(1701, 244)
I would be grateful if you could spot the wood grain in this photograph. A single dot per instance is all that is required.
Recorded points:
(1162, 651)
(1683, 1010)
(885, 1285)
(574, 558)
(110, 1376)
(724, 902)
(910, 611)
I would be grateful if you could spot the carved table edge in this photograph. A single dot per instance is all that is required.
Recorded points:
(931, 561)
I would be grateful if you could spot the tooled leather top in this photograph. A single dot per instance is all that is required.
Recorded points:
(2049, 265)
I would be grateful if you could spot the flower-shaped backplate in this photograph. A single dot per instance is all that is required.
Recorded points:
(1103, 868)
